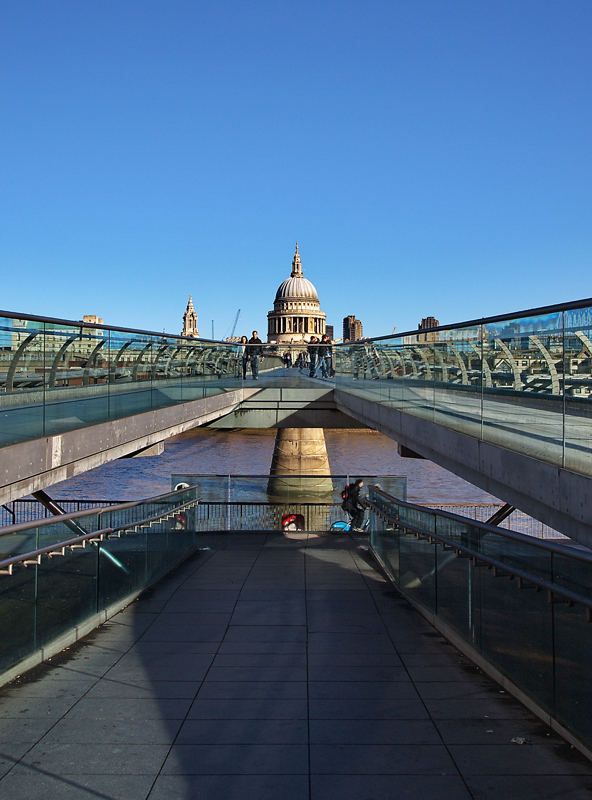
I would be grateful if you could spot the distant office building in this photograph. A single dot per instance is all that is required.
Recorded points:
(190, 321)
(428, 322)
(329, 331)
(93, 319)
(352, 329)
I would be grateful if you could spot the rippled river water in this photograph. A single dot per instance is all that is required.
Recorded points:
(206, 451)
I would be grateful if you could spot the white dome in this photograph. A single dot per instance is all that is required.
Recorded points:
(296, 288)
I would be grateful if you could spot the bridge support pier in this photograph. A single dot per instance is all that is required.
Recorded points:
(297, 452)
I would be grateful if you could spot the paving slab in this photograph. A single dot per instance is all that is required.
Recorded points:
(231, 787)
(274, 668)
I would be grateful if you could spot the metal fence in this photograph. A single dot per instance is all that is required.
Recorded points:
(517, 521)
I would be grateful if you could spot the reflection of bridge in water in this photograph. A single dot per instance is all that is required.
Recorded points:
(504, 403)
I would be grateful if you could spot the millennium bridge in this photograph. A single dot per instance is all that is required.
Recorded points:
(182, 647)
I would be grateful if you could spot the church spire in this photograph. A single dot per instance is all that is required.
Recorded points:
(190, 321)
(296, 265)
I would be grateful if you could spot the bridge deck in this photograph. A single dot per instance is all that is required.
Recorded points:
(274, 668)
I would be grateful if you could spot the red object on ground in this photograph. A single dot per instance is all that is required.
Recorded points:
(292, 522)
(181, 521)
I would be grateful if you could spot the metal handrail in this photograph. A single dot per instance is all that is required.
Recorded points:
(287, 502)
(34, 556)
(483, 321)
(21, 526)
(78, 323)
(529, 312)
(491, 563)
(543, 544)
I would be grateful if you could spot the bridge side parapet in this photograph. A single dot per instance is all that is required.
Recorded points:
(552, 494)
(38, 463)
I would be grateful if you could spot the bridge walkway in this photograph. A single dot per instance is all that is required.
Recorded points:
(269, 667)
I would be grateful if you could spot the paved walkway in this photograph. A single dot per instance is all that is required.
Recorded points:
(270, 668)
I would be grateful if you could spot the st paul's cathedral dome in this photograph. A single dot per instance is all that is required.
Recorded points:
(296, 314)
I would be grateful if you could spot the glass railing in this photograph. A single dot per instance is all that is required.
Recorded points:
(80, 564)
(57, 375)
(283, 488)
(524, 605)
(261, 502)
(523, 382)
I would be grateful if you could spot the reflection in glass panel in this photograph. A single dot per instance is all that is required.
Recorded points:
(525, 357)
(578, 390)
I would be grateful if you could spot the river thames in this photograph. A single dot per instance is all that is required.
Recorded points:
(216, 452)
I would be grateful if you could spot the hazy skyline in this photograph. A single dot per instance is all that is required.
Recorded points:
(431, 158)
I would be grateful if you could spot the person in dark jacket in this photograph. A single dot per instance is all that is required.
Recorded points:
(255, 349)
(329, 356)
(325, 356)
(352, 506)
(244, 355)
(312, 355)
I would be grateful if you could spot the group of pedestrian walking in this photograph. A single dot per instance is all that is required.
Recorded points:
(252, 354)
(320, 356)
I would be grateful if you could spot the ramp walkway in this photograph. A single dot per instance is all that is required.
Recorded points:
(268, 667)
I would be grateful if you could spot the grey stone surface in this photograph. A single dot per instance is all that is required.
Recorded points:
(254, 689)
(93, 759)
(231, 787)
(237, 731)
(113, 731)
(389, 787)
(275, 669)
(144, 689)
(380, 759)
(373, 731)
(237, 759)
(248, 708)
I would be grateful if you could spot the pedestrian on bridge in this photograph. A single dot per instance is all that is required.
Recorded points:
(352, 505)
(255, 350)
(312, 355)
(245, 355)
(325, 356)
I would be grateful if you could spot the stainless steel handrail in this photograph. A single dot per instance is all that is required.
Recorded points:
(491, 563)
(22, 526)
(34, 556)
(584, 303)
(78, 323)
(529, 312)
(543, 544)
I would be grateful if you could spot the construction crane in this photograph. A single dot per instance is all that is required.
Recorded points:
(234, 324)
(394, 329)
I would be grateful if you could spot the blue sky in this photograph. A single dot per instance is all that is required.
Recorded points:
(431, 158)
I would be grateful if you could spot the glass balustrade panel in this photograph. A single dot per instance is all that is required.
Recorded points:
(573, 669)
(578, 390)
(22, 376)
(523, 407)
